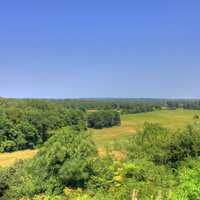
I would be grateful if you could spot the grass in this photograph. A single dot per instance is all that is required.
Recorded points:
(7, 159)
(172, 119)
(131, 123)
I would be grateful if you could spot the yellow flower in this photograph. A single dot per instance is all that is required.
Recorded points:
(118, 179)
(67, 191)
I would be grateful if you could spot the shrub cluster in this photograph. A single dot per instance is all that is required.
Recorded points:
(163, 146)
(64, 161)
(101, 119)
(159, 164)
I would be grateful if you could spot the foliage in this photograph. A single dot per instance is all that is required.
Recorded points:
(163, 146)
(119, 179)
(65, 160)
(159, 163)
(27, 128)
(196, 116)
(101, 119)
(140, 108)
(9, 179)
(188, 181)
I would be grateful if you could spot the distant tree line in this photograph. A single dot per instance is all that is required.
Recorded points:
(184, 104)
(140, 108)
(192, 105)
(122, 105)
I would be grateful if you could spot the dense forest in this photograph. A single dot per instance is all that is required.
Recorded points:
(157, 163)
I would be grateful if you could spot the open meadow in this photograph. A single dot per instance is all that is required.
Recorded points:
(130, 124)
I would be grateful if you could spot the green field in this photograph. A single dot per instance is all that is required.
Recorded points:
(131, 123)
(173, 119)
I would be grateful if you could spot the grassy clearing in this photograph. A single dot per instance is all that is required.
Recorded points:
(173, 119)
(7, 159)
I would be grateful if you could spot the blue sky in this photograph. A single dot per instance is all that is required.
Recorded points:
(107, 48)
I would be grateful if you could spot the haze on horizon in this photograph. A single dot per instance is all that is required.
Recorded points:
(77, 49)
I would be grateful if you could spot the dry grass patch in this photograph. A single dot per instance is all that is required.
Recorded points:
(117, 155)
(8, 159)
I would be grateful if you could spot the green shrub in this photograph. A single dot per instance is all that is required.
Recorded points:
(64, 160)
(163, 146)
(189, 182)
(10, 179)
(196, 116)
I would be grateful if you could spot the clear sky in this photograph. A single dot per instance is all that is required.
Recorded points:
(105, 48)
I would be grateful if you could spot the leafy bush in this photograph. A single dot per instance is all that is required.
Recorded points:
(163, 146)
(3, 181)
(10, 178)
(65, 160)
(196, 116)
(188, 182)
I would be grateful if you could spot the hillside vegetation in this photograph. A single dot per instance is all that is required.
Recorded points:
(130, 124)
(159, 163)
(75, 156)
